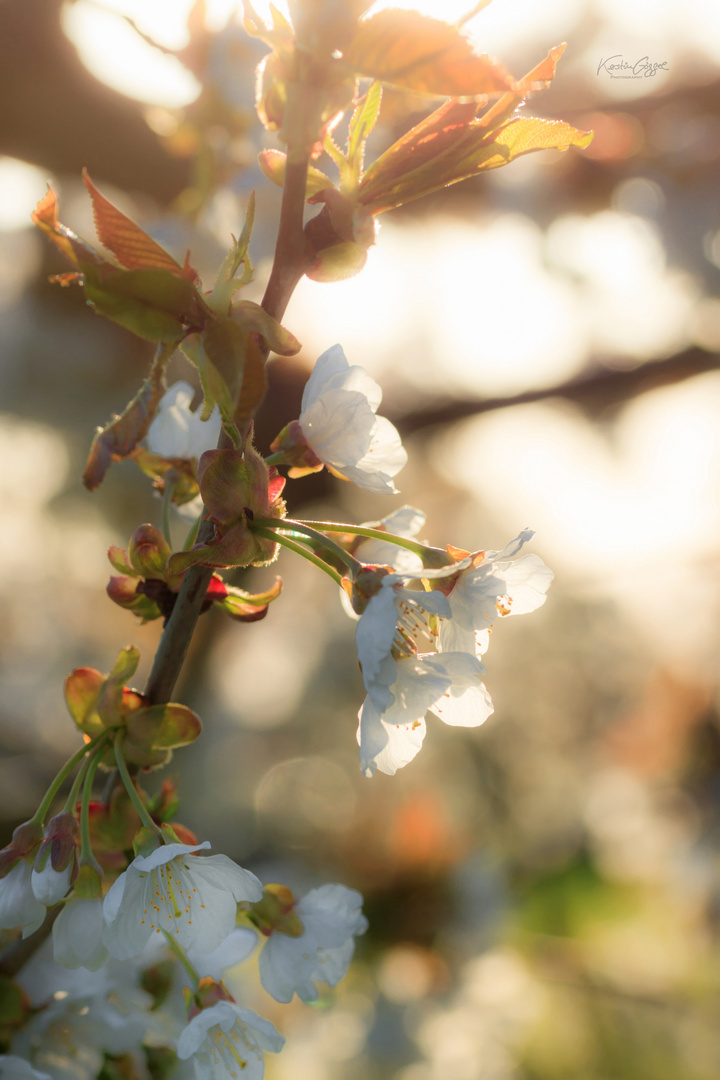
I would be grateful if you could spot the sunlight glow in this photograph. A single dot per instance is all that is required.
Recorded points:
(116, 54)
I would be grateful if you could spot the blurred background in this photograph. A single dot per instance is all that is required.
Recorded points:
(543, 892)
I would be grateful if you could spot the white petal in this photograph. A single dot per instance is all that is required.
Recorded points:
(77, 935)
(383, 746)
(332, 964)
(528, 580)
(386, 453)
(18, 906)
(332, 913)
(13, 1067)
(168, 433)
(48, 885)
(330, 363)
(235, 948)
(339, 427)
(466, 702)
(165, 853)
(285, 963)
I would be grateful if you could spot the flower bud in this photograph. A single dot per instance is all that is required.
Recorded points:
(56, 861)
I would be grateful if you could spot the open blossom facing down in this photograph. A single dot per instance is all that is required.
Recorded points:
(338, 427)
(177, 431)
(331, 917)
(227, 1041)
(193, 898)
(419, 650)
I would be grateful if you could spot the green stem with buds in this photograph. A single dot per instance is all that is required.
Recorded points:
(132, 790)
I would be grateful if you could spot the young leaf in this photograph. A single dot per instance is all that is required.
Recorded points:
(416, 52)
(362, 122)
(121, 435)
(130, 244)
(227, 282)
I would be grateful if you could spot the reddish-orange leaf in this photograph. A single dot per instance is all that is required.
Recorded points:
(73, 248)
(423, 54)
(130, 244)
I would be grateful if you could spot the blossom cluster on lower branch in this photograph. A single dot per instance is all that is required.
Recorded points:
(140, 972)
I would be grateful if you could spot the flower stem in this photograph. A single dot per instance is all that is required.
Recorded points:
(375, 534)
(286, 525)
(280, 538)
(180, 954)
(86, 852)
(42, 810)
(275, 459)
(132, 790)
(192, 534)
(167, 499)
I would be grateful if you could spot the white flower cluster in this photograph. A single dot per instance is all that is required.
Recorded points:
(172, 895)
(420, 651)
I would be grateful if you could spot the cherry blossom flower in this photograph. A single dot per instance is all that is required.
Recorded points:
(194, 899)
(227, 1041)
(18, 906)
(177, 431)
(78, 934)
(331, 917)
(338, 427)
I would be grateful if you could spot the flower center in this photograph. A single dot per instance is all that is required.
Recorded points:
(416, 629)
(224, 1048)
(169, 895)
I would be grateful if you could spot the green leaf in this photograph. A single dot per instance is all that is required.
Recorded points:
(121, 435)
(361, 124)
(454, 148)
(154, 304)
(110, 699)
(151, 732)
(416, 52)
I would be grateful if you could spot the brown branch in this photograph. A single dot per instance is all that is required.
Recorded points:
(289, 264)
(595, 390)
